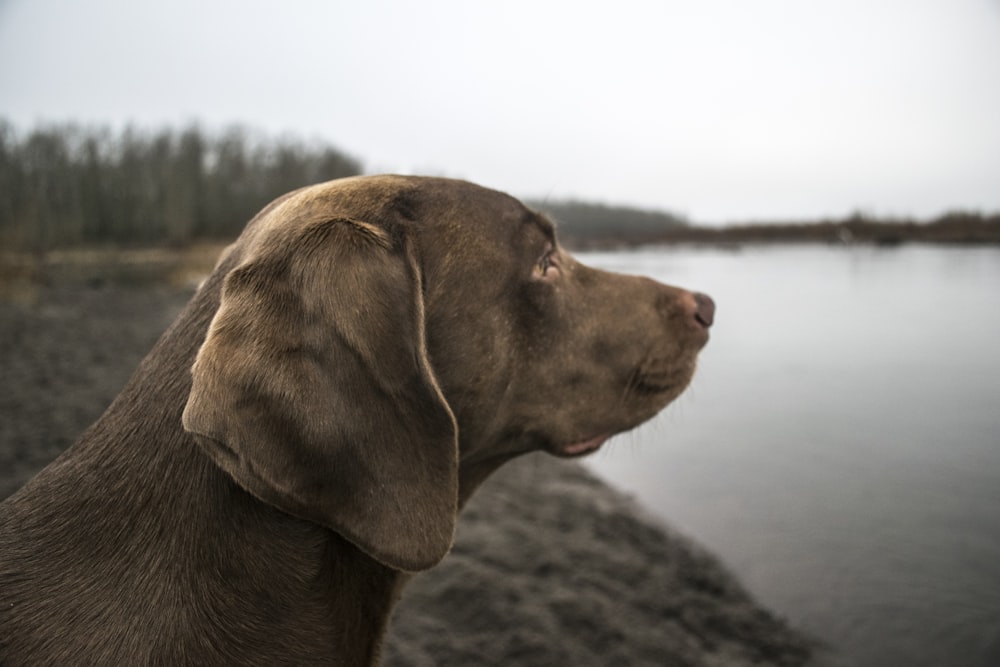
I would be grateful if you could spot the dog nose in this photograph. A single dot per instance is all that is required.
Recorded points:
(704, 309)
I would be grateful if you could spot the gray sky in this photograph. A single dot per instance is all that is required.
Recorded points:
(723, 110)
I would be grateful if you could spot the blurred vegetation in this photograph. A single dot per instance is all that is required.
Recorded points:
(70, 185)
(593, 226)
(954, 227)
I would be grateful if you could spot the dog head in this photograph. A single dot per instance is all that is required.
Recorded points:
(382, 342)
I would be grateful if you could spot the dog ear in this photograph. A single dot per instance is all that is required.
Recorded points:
(313, 390)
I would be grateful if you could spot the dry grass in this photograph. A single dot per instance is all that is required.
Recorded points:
(22, 274)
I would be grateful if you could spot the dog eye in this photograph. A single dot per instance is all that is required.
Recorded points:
(547, 266)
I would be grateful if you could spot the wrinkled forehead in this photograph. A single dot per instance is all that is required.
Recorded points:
(524, 229)
(541, 224)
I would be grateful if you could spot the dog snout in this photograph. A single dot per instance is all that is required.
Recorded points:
(704, 312)
(696, 308)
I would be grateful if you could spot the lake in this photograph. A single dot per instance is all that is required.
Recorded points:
(839, 448)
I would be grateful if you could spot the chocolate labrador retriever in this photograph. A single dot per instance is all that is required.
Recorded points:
(305, 433)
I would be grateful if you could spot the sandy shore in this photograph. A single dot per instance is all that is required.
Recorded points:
(551, 567)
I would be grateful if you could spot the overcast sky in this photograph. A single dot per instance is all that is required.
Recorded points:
(723, 110)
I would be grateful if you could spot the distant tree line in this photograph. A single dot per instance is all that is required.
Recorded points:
(953, 227)
(66, 185)
(72, 185)
(584, 225)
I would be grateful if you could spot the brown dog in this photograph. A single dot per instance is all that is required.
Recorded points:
(304, 434)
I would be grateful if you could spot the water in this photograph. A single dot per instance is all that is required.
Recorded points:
(839, 448)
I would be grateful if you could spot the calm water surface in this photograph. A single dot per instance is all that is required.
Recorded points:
(840, 446)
